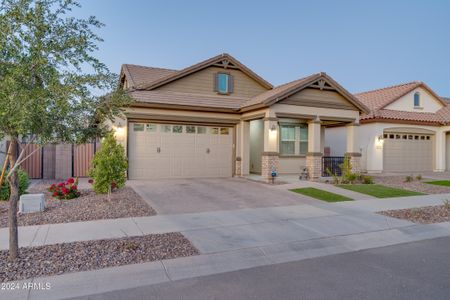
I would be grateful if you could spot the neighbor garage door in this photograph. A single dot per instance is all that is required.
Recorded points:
(407, 152)
(179, 151)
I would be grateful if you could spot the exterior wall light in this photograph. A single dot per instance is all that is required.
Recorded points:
(273, 127)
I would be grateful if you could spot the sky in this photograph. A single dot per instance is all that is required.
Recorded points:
(363, 45)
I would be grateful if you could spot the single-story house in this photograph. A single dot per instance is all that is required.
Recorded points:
(406, 130)
(218, 118)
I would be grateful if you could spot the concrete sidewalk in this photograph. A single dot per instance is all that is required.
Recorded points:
(130, 276)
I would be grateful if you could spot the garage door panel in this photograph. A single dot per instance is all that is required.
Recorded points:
(408, 155)
(200, 152)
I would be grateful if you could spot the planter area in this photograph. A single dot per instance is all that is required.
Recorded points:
(89, 206)
(415, 185)
(422, 215)
(91, 255)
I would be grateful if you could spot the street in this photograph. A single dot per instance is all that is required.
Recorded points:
(419, 270)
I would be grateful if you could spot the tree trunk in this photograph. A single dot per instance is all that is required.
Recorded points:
(13, 201)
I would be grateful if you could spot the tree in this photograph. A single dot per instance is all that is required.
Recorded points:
(49, 82)
(109, 166)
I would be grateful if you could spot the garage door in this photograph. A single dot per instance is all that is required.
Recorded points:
(179, 151)
(408, 152)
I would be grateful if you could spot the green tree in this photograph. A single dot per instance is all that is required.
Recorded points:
(49, 82)
(109, 166)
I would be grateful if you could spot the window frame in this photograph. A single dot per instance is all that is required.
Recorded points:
(417, 98)
(299, 138)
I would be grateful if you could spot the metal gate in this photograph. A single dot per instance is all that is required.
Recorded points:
(33, 164)
(332, 165)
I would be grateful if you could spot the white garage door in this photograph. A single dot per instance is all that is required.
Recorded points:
(407, 152)
(179, 151)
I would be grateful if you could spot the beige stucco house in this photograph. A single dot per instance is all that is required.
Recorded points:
(406, 130)
(218, 118)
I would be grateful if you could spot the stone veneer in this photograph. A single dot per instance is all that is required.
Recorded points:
(269, 163)
(355, 161)
(238, 170)
(314, 165)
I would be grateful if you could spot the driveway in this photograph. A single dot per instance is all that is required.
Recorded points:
(178, 196)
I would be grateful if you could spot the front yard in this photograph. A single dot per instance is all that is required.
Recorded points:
(421, 215)
(321, 194)
(89, 206)
(424, 186)
(379, 191)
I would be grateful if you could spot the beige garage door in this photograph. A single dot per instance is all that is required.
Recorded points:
(407, 152)
(179, 151)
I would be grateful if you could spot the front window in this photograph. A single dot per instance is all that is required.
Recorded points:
(417, 99)
(293, 140)
(223, 83)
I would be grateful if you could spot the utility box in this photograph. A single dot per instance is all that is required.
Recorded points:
(30, 203)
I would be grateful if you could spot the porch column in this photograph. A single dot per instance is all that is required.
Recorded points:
(314, 155)
(270, 155)
(352, 152)
(440, 151)
(243, 148)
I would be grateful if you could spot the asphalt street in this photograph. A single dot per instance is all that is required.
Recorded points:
(419, 270)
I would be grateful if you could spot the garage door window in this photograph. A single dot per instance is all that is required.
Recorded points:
(177, 129)
(201, 130)
(224, 131)
(151, 127)
(138, 127)
(166, 128)
(214, 130)
(190, 129)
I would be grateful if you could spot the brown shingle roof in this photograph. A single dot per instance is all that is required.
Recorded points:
(137, 75)
(187, 99)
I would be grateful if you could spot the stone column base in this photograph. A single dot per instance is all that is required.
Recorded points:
(314, 165)
(269, 163)
(238, 170)
(355, 161)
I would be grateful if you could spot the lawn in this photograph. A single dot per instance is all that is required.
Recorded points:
(379, 191)
(321, 194)
(439, 182)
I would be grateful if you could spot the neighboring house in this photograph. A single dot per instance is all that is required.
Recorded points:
(218, 118)
(406, 130)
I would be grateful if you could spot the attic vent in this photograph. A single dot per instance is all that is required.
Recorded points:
(322, 85)
(226, 64)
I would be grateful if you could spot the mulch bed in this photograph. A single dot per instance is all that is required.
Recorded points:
(89, 206)
(91, 255)
(416, 185)
(422, 215)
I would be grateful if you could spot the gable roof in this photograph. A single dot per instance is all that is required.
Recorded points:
(380, 98)
(137, 75)
(225, 57)
(285, 90)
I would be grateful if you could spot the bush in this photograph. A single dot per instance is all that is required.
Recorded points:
(409, 178)
(24, 182)
(419, 177)
(109, 166)
(366, 179)
(65, 190)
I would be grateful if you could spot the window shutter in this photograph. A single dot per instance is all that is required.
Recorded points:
(216, 82)
(230, 84)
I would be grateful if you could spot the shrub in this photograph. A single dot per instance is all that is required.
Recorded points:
(409, 178)
(65, 190)
(366, 179)
(419, 177)
(109, 166)
(24, 182)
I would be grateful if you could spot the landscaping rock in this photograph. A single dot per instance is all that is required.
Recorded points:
(90, 255)
(422, 215)
(415, 185)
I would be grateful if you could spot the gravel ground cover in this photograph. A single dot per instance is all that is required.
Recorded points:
(416, 185)
(90, 255)
(89, 206)
(422, 215)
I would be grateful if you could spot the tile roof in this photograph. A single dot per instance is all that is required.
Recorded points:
(138, 75)
(379, 98)
(376, 100)
(446, 99)
(188, 99)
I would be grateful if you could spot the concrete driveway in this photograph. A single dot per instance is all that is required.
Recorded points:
(178, 196)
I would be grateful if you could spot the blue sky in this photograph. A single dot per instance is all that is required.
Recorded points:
(362, 44)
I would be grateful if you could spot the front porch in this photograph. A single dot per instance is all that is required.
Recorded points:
(292, 147)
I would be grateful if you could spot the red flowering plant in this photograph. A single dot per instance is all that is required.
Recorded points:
(65, 190)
